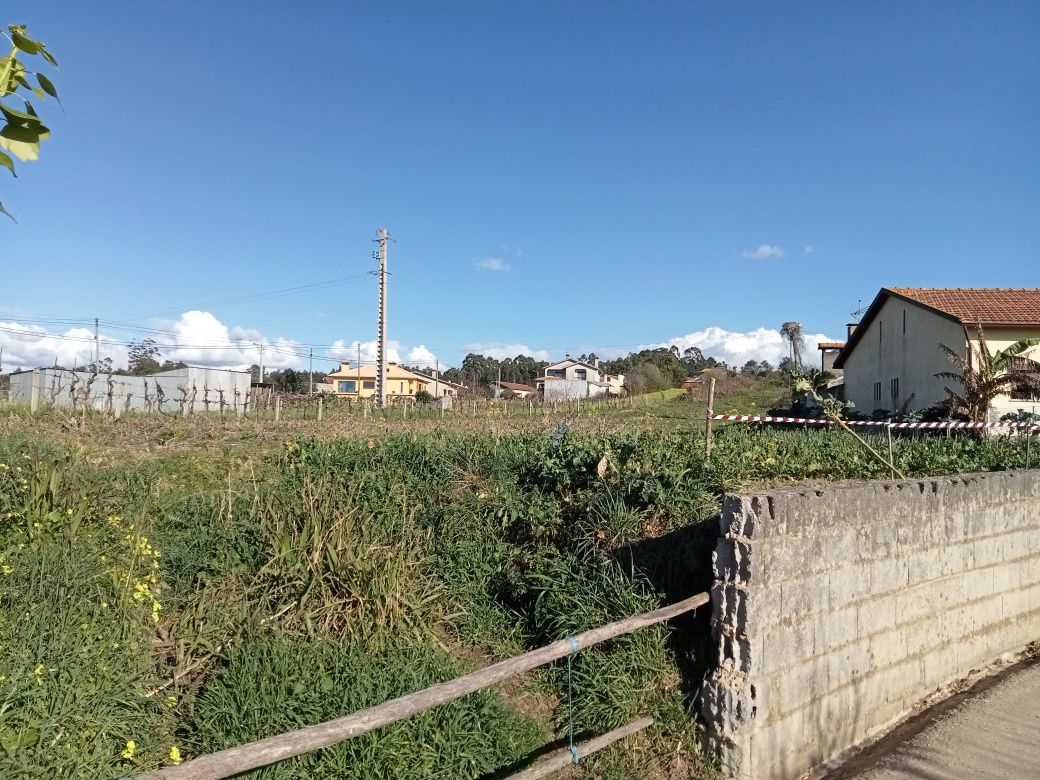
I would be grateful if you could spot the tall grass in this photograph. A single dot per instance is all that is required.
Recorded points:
(197, 601)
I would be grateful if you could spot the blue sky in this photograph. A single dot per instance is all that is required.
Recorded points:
(557, 176)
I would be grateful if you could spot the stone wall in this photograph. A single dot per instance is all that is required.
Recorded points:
(839, 607)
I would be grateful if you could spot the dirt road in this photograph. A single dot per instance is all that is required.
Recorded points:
(994, 734)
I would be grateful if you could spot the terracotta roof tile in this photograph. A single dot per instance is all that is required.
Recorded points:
(985, 305)
(830, 345)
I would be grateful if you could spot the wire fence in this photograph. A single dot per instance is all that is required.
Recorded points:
(109, 395)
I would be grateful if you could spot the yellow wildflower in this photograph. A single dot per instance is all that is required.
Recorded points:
(6, 569)
(175, 755)
(128, 751)
(170, 702)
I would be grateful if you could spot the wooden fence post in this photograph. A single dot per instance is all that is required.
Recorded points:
(277, 408)
(320, 400)
(34, 392)
(708, 421)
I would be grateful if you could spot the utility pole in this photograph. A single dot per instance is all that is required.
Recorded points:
(383, 241)
(498, 390)
(97, 343)
(310, 370)
(436, 376)
(261, 362)
(359, 370)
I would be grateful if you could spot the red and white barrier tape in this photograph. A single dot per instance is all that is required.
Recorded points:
(876, 423)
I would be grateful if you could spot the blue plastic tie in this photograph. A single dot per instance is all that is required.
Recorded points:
(570, 700)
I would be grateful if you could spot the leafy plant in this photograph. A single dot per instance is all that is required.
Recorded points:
(23, 129)
(983, 375)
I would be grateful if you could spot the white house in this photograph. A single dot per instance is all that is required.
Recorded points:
(571, 378)
(891, 358)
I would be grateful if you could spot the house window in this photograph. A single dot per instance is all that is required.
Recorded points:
(347, 386)
(556, 372)
(402, 387)
(877, 391)
(894, 386)
(579, 373)
(904, 320)
(369, 384)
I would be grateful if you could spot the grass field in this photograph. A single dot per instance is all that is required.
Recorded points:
(172, 586)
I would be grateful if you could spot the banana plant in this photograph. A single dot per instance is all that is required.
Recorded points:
(983, 375)
(23, 130)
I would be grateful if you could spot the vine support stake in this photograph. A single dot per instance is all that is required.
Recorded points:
(708, 421)
(891, 459)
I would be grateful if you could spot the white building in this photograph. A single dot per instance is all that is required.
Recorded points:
(191, 389)
(570, 379)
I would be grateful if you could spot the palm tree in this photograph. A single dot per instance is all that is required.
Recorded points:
(792, 334)
(989, 374)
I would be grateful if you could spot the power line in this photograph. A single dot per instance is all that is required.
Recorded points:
(311, 287)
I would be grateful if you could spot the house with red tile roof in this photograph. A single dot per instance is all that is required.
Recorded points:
(517, 389)
(892, 356)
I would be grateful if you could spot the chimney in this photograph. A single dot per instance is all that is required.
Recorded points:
(851, 327)
(567, 356)
(596, 361)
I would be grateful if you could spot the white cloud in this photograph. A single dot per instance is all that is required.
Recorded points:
(31, 346)
(492, 264)
(502, 351)
(196, 337)
(764, 252)
(421, 356)
(200, 339)
(340, 350)
(737, 348)
(809, 249)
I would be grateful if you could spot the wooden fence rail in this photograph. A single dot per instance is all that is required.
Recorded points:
(234, 760)
(563, 758)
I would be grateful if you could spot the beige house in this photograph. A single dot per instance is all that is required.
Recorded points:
(439, 387)
(891, 358)
(518, 389)
(360, 381)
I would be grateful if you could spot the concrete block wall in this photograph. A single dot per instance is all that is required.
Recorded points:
(838, 607)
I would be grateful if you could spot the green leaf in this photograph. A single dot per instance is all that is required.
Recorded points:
(8, 213)
(28, 135)
(47, 86)
(26, 44)
(23, 150)
(47, 56)
(16, 117)
(7, 162)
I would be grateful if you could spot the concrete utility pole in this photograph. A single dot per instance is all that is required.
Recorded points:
(97, 343)
(436, 377)
(383, 241)
(310, 370)
(261, 362)
(358, 388)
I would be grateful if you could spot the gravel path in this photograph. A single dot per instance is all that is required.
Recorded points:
(995, 734)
